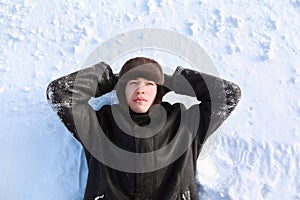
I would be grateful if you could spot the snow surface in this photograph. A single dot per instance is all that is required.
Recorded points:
(254, 43)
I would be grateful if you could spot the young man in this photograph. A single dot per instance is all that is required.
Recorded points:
(169, 136)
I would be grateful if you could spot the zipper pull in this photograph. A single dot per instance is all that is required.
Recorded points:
(99, 197)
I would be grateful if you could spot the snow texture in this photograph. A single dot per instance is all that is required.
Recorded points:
(255, 44)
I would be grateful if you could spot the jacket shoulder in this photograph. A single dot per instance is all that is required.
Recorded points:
(106, 109)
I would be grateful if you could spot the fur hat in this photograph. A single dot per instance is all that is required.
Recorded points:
(143, 68)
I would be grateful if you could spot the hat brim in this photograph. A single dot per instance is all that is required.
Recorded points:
(147, 71)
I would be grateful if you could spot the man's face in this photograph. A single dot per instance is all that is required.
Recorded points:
(140, 94)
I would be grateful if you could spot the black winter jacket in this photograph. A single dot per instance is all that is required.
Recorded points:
(166, 176)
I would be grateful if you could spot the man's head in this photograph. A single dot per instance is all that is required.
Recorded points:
(140, 84)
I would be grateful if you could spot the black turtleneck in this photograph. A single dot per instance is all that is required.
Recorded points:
(141, 119)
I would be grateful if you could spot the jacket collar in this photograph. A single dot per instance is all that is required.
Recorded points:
(140, 125)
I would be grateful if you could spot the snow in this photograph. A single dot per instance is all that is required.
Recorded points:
(255, 44)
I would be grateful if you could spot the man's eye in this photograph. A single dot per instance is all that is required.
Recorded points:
(150, 83)
(133, 82)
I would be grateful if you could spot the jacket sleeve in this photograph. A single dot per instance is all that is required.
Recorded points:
(69, 95)
(217, 97)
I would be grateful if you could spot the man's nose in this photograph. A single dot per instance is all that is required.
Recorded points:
(140, 90)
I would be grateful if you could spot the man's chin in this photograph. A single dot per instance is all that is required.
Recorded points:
(140, 109)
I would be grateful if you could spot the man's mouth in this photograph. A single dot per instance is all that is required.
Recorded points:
(140, 100)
